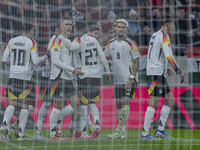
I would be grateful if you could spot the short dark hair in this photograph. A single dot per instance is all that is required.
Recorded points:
(26, 27)
(91, 28)
(80, 25)
(167, 18)
(181, 8)
(92, 22)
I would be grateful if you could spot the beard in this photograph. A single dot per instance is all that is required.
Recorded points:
(120, 34)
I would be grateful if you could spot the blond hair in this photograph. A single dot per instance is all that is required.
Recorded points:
(122, 20)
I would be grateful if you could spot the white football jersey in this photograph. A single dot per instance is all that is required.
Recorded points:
(23, 54)
(47, 68)
(159, 50)
(89, 56)
(61, 59)
(122, 54)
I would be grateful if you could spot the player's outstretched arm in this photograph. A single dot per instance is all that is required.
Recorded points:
(38, 60)
(73, 46)
(34, 55)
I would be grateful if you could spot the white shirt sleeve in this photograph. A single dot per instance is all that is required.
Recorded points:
(107, 51)
(6, 56)
(73, 46)
(169, 54)
(103, 59)
(34, 55)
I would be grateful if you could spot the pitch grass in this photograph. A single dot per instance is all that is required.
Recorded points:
(185, 139)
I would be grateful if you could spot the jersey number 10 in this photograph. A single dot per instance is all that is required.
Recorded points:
(20, 58)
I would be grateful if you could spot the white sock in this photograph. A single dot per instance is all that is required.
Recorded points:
(118, 113)
(123, 118)
(7, 120)
(30, 110)
(8, 115)
(53, 121)
(81, 119)
(66, 111)
(89, 123)
(42, 115)
(23, 116)
(147, 120)
(163, 117)
(118, 117)
(95, 114)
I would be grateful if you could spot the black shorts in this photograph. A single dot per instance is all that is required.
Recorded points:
(120, 91)
(19, 89)
(157, 85)
(45, 89)
(89, 90)
(63, 89)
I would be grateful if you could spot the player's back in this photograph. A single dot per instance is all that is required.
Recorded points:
(20, 59)
(156, 61)
(88, 55)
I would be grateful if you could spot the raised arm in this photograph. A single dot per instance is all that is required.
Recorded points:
(73, 46)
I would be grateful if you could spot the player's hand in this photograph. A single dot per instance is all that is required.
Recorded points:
(170, 72)
(182, 77)
(109, 78)
(75, 77)
(42, 65)
(129, 83)
(57, 32)
(78, 72)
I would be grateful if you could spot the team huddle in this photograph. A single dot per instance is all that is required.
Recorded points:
(73, 70)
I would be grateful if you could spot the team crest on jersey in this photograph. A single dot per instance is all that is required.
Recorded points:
(123, 48)
(113, 48)
(55, 49)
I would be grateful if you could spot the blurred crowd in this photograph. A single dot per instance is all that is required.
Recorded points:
(143, 16)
